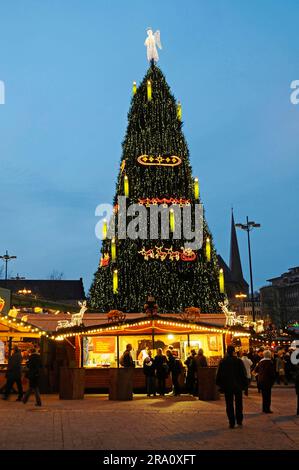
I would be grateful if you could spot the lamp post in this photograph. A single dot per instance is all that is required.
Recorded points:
(241, 297)
(7, 258)
(250, 225)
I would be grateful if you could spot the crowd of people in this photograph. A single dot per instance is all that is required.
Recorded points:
(236, 370)
(14, 372)
(157, 369)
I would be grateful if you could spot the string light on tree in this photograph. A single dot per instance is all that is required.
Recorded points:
(134, 88)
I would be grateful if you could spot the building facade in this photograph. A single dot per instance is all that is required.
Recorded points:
(280, 300)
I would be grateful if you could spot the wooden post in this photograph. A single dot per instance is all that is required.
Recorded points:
(117, 346)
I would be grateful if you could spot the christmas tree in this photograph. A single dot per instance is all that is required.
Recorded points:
(155, 171)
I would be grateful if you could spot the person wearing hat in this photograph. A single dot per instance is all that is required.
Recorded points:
(266, 378)
(231, 378)
(13, 375)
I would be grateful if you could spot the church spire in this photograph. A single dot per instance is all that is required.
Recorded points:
(234, 259)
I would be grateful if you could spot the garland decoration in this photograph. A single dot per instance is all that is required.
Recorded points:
(151, 160)
(162, 253)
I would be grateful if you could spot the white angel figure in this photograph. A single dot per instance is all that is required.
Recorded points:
(151, 42)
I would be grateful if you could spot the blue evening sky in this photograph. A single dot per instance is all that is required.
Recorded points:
(68, 68)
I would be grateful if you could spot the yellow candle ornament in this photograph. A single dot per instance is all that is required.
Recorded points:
(126, 186)
(171, 220)
(196, 188)
(115, 281)
(134, 88)
(113, 249)
(179, 111)
(104, 229)
(221, 281)
(208, 249)
(149, 90)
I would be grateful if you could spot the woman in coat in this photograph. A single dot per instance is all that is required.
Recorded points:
(149, 372)
(265, 379)
(161, 367)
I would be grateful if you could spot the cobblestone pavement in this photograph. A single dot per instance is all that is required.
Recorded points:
(170, 423)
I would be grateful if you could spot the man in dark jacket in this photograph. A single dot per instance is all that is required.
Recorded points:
(33, 374)
(232, 379)
(265, 379)
(14, 370)
(175, 367)
(191, 370)
(126, 360)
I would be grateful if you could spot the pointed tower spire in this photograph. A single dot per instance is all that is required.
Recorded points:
(234, 259)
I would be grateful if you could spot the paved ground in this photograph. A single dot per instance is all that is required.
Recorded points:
(147, 423)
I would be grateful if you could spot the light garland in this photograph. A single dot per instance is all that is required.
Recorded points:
(151, 324)
(151, 160)
(113, 250)
(166, 201)
(104, 229)
(162, 253)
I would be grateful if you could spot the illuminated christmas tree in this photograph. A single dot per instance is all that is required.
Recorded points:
(155, 171)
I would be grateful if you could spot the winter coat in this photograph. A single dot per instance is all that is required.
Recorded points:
(127, 360)
(248, 364)
(161, 367)
(14, 366)
(33, 366)
(200, 361)
(265, 373)
(149, 367)
(231, 375)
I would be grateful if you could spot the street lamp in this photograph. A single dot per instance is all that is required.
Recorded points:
(241, 297)
(250, 225)
(7, 258)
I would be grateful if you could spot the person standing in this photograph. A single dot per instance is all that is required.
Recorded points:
(126, 360)
(266, 378)
(191, 370)
(280, 367)
(247, 364)
(175, 367)
(33, 374)
(149, 372)
(162, 371)
(232, 379)
(14, 374)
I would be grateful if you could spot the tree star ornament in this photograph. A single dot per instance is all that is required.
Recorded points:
(151, 43)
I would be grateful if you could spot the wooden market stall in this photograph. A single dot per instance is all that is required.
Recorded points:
(97, 348)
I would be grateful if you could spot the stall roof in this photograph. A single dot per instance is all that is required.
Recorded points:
(49, 321)
(18, 325)
(145, 324)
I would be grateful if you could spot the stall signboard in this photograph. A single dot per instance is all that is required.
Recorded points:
(5, 296)
(103, 345)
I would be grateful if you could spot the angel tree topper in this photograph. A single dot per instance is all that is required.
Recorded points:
(151, 43)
